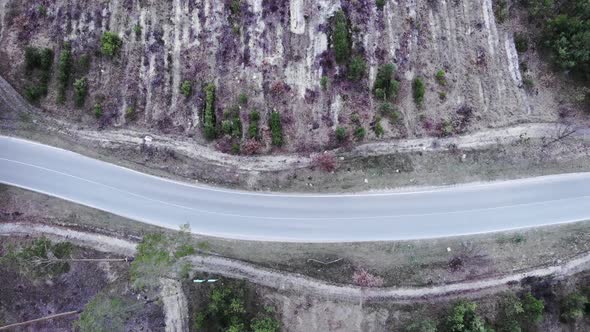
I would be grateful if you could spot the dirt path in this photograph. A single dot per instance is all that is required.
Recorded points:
(292, 282)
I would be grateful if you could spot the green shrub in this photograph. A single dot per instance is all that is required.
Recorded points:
(46, 59)
(501, 10)
(572, 307)
(341, 37)
(236, 7)
(209, 113)
(243, 99)
(152, 260)
(533, 309)
(80, 91)
(386, 86)
(186, 88)
(359, 133)
(226, 127)
(98, 110)
(33, 93)
(184, 250)
(83, 64)
(265, 324)
(425, 325)
(340, 134)
(419, 90)
(36, 258)
(137, 30)
(441, 77)
(356, 68)
(103, 314)
(64, 70)
(253, 127)
(324, 82)
(380, 3)
(521, 42)
(42, 10)
(276, 129)
(130, 113)
(32, 58)
(110, 43)
(378, 129)
(442, 95)
(463, 318)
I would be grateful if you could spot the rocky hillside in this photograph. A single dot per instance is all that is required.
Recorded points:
(202, 67)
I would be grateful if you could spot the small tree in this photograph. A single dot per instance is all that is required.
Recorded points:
(110, 43)
(386, 86)
(463, 318)
(441, 77)
(276, 129)
(340, 134)
(209, 113)
(419, 90)
(341, 37)
(533, 309)
(104, 314)
(98, 110)
(80, 90)
(572, 307)
(186, 88)
(356, 68)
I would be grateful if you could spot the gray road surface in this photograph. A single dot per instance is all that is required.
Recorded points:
(458, 210)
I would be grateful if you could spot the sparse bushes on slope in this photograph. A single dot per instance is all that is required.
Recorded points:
(209, 112)
(276, 129)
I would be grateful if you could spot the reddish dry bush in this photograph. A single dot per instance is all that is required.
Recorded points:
(251, 147)
(365, 279)
(278, 88)
(224, 144)
(325, 161)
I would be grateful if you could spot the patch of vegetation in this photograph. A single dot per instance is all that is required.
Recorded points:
(572, 307)
(40, 60)
(236, 13)
(110, 43)
(378, 128)
(253, 125)
(103, 314)
(137, 30)
(441, 77)
(341, 40)
(38, 258)
(516, 314)
(186, 88)
(418, 89)
(325, 82)
(64, 71)
(565, 30)
(501, 10)
(464, 318)
(226, 311)
(422, 326)
(357, 68)
(156, 255)
(340, 134)
(98, 111)
(276, 129)
(209, 122)
(42, 10)
(386, 87)
(80, 91)
(521, 42)
(130, 114)
(359, 133)
(380, 3)
(243, 99)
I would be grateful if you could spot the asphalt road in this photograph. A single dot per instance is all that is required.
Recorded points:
(458, 210)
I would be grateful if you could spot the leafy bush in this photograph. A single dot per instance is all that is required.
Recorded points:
(572, 307)
(425, 325)
(243, 99)
(33, 93)
(359, 133)
(130, 113)
(80, 91)
(64, 71)
(340, 134)
(110, 43)
(46, 59)
(103, 314)
(276, 129)
(341, 37)
(98, 110)
(151, 261)
(137, 30)
(533, 309)
(363, 278)
(186, 88)
(378, 129)
(521, 42)
(380, 3)
(253, 126)
(386, 86)
(356, 68)
(501, 10)
(32, 58)
(441, 77)
(419, 90)
(324, 82)
(209, 113)
(463, 318)
(41, 59)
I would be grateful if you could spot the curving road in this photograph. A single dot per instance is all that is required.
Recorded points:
(459, 210)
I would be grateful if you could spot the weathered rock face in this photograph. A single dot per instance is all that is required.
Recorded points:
(276, 52)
